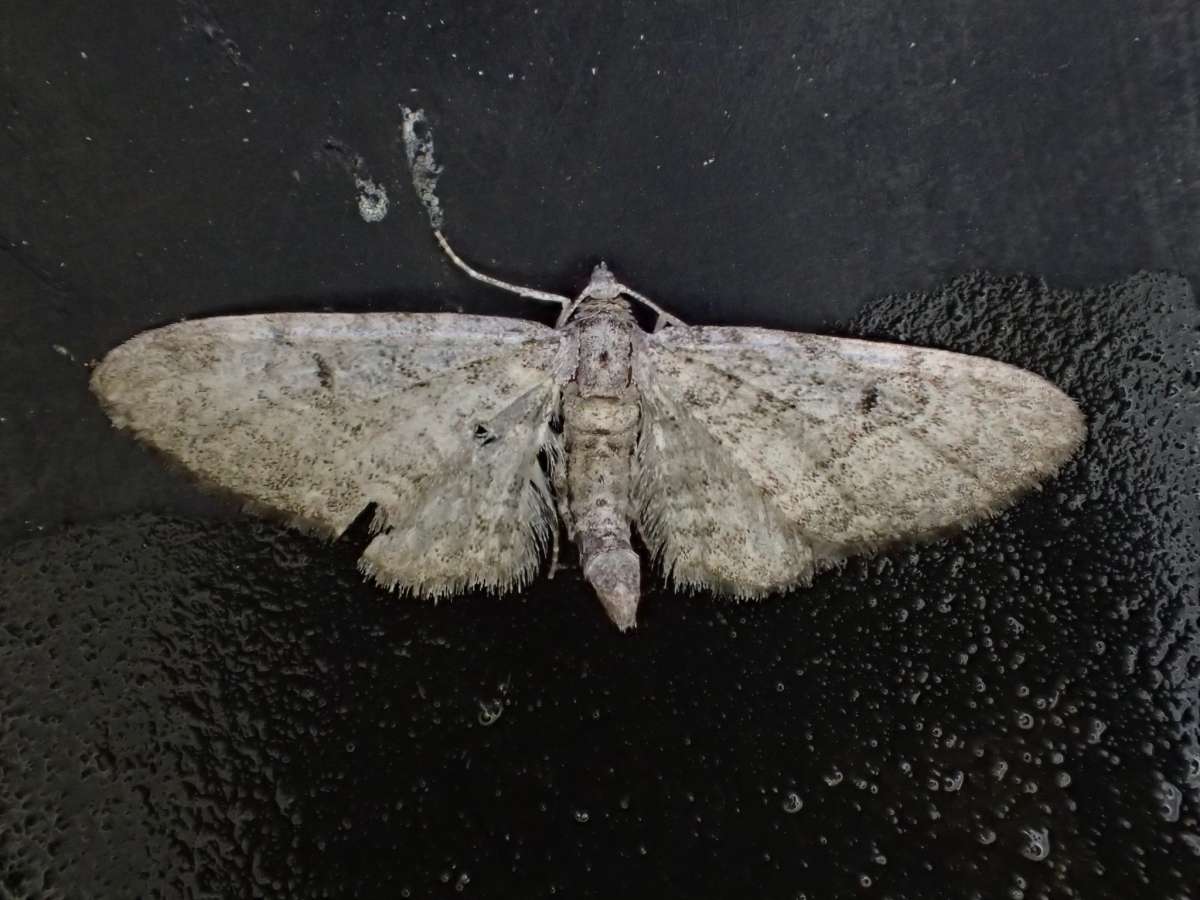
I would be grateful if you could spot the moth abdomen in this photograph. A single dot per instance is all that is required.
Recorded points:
(600, 415)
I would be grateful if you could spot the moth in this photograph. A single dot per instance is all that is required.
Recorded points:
(747, 459)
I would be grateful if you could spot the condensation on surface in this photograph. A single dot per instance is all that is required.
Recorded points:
(225, 709)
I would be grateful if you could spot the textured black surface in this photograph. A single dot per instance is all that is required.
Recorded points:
(198, 704)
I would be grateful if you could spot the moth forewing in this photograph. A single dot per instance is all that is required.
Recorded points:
(317, 415)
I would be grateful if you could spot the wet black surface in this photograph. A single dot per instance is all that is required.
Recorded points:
(225, 709)
(195, 703)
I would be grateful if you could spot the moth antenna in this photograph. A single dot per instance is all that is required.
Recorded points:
(418, 147)
(530, 293)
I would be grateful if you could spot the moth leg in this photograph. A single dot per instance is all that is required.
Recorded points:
(664, 317)
(558, 481)
(663, 320)
(553, 551)
(569, 309)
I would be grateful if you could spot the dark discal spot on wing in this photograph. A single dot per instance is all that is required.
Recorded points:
(484, 435)
(324, 372)
(869, 399)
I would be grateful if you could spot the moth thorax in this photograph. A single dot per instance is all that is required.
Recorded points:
(605, 336)
(617, 308)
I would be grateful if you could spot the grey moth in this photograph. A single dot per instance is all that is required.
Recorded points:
(747, 459)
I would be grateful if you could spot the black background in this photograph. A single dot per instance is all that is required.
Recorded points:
(195, 703)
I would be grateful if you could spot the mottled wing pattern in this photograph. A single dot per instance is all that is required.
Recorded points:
(765, 454)
(437, 419)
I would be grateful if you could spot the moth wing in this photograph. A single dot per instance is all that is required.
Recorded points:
(764, 455)
(437, 419)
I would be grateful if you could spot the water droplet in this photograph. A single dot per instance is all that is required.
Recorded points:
(1192, 758)
(1170, 798)
(1037, 843)
(1192, 841)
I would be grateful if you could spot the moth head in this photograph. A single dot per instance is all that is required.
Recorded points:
(602, 285)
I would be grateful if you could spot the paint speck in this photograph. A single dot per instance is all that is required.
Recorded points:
(63, 351)
(82, 55)
(418, 146)
(792, 803)
(490, 712)
(954, 781)
(372, 200)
